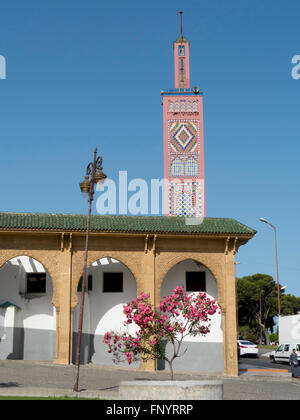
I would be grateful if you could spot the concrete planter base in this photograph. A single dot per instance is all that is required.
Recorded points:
(171, 390)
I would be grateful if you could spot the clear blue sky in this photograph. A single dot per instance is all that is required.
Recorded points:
(81, 74)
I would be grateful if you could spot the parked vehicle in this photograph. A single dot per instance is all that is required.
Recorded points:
(283, 352)
(247, 348)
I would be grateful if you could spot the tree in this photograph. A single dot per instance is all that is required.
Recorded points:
(257, 304)
(179, 315)
(273, 337)
(290, 305)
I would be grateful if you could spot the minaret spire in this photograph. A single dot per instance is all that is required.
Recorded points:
(181, 33)
(181, 56)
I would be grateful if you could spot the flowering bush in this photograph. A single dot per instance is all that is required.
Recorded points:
(179, 315)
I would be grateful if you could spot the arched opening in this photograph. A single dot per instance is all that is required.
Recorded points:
(177, 168)
(110, 285)
(27, 315)
(204, 353)
(191, 167)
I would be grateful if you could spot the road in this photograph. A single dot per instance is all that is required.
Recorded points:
(263, 363)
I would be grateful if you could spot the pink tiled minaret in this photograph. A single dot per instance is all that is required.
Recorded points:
(183, 139)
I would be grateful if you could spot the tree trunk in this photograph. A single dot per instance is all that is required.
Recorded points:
(171, 371)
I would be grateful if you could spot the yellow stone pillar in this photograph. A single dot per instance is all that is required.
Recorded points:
(230, 319)
(63, 329)
(149, 286)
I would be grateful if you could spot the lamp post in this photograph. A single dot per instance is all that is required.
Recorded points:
(94, 175)
(276, 253)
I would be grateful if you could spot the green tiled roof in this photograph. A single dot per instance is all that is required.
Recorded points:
(137, 224)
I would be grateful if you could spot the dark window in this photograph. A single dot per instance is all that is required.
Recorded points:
(36, 283)
(89, 286)
(112, 282)
(195, 281)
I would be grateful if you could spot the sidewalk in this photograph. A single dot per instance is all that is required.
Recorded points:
(245, 369)
(42, 379)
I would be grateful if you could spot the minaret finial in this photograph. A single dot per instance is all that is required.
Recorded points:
(181, 13)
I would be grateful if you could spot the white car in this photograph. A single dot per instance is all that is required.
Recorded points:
(283, 352)
(246, 348)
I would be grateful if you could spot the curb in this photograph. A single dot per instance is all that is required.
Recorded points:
(265, 370)
(55, 393)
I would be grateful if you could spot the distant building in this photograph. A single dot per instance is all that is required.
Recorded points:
(289, 329)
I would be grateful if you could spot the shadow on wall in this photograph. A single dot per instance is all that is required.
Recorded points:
(103, 311)
(28, 331)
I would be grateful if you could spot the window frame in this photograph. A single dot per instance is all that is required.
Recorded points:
(202, 272)
(33, 292)
(111, 273)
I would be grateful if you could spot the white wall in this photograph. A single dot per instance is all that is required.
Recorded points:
(177, 277)
(35, 314)
(289, 329)
(38, 312)
(104, 311)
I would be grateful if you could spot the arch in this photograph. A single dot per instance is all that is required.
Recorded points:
(189, 106)
(41, 257)
(182, 106)
(171, 107)
(206, 352)
(209, 262)
(191, 167)
(103, 310)
(129, 260)
(177, 107)
(195, 106)
(177, 167)
(31, 316)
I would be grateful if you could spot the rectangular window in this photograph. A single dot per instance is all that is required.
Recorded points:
(181, 51)
(112, 282)
(36, 283)
(196, 281)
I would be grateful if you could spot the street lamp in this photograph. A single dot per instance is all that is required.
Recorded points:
(94, 175)
(276, 252)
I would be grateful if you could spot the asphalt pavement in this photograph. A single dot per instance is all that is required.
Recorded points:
(23, 378)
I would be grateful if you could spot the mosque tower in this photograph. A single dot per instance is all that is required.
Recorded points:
(183, 139)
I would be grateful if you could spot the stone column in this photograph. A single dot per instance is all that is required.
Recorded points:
(149, 286)
(63, 330)
(230, 318)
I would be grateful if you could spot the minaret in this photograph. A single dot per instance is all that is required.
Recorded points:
(183, 139)
(182, 61)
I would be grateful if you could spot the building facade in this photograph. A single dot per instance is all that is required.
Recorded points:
(41, 264)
